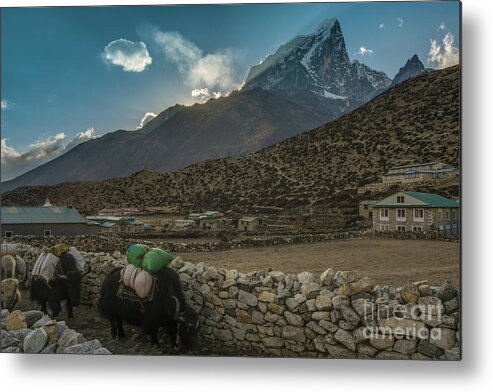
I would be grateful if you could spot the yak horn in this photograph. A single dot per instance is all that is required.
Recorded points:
(177, 310)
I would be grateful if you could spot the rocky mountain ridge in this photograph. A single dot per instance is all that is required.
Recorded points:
(418, 120)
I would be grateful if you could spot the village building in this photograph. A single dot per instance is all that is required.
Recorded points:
(209, 220)
(195, 216)
(366, 208)
(205, 215)
(118, 211)
(215, 224)
(44, 221)
(419, 173)
(414, 211)
(249, 223)
(184, 223)
(109, 224)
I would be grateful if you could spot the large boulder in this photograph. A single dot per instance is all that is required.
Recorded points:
(32, 316)
(15, 320)
(35, 341)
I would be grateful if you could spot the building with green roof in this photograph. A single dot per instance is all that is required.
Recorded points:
(415, 211)
(111, 224)
(419, 172)
(46, 220)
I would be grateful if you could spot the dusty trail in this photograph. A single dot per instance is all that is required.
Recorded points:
(386, 261)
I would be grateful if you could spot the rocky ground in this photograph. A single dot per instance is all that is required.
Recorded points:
(34, 332)
(91, 326)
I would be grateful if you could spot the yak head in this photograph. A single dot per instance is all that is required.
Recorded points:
(188, 325)
(10, 293)
(72, 277)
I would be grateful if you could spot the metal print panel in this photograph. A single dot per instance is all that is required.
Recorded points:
(278, 180)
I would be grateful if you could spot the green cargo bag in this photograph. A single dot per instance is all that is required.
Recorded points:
(135, 254)
(156, 259)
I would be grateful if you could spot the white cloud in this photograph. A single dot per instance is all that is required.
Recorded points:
(131, 56)
(15, 162)
(144, 120)
(441, 27)
(400, 22)
(81, 137)
(201, 94)
(209, 71)
(444, 55)
(6, 104)
(364, 51)
(381, 26)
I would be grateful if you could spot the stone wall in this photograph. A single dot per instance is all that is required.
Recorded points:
(110, 244)
(335, 315)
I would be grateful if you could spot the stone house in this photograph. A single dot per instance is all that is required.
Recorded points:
(414, 211)
(249, 223)
(214, 224)
(366, 208)
(418, 173)
(184, 223)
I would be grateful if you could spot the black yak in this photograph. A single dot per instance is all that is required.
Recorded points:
(168, 308)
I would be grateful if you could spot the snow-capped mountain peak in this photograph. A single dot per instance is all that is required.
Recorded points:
(317, 64)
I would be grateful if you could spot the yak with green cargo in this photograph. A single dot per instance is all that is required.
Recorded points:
(148, 294)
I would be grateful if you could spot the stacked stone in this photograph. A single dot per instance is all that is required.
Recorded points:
(102, 244)
(337, 315)
(101, 265)
(34, 332)
(416, 235)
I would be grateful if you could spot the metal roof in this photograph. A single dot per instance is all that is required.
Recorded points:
(415, 165)
(32, 215)
(249, 218)
(429, 200)
(369, 202)
(433, 199)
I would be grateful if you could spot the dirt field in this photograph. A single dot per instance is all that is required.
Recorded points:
(385, 260)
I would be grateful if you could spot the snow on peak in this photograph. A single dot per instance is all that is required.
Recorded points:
(325, 26)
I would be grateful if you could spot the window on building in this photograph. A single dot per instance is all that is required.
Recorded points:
(445, 215)
(384, 214)
(419, 215)
(454, 214)
(400, 228)
(417, 228)
(400, 199)
(9, 234)
(47, 232)
(401, 214)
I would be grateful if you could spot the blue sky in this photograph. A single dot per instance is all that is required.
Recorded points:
(72, 73)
